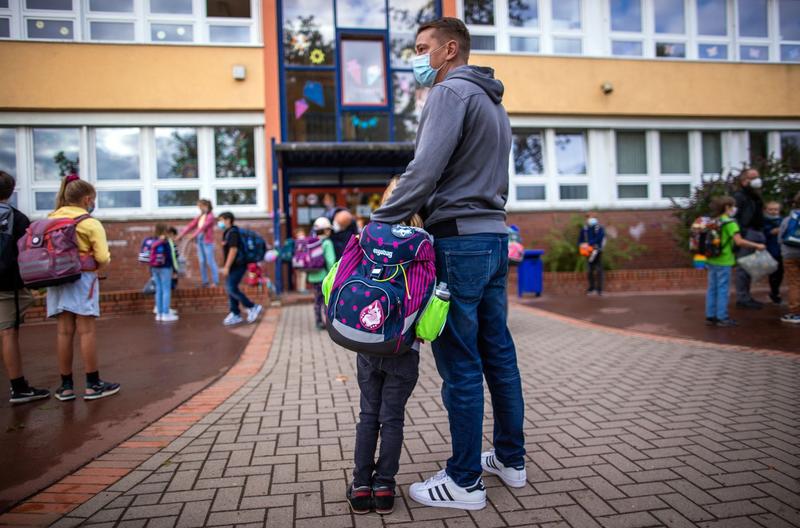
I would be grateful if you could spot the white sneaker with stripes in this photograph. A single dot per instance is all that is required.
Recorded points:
(516, 478)
(440, 491)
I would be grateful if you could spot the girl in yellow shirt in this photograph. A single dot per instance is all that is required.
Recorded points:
(77, 304)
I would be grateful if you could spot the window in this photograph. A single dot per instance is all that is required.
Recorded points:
(8, 151)
(363, 73)
(409, 99)
(111, 6)
(176, 153)
(228, 8)
(573, 192)
(712, 18)
(570, 153)
(759, 149)
(789, 16)
(790, 149)
(308, 33)
(526, 151)
(480, 12)
(311, 104)
(669, 17)
(171, 7)
(523, 13)
(117, 153)
(110, 199)
(675, 190)
(111, 31)
(566, 14)
(55, 152)
(404, 18)
(674, 153)
(362, 14)
(752, 18)
(626, 15)
(531, 192)
(365, 126)
(234, 152)
(632, 191)
(631, 153)
(712, 153)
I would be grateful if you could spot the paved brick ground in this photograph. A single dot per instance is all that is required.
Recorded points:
(622, 431)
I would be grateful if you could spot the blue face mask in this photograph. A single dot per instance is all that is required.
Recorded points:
(424, 73)
(592, 221)
(90, 209)
(221, 225)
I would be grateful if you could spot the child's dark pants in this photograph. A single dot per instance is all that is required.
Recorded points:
(386, 384)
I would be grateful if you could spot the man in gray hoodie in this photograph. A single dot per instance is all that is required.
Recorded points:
(458, 182)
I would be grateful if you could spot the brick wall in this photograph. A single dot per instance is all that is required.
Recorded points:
(652, 227)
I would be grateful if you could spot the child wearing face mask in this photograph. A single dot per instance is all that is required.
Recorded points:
(772, 226)
(591, 241)
(719, 267)
(76, 305)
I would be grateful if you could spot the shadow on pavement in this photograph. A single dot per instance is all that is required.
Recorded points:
(677, 315)
(159, 367)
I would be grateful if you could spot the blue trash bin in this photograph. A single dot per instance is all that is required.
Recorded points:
(530, 273)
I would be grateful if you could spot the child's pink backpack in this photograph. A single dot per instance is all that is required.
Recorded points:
(48, 253)
(308, 254)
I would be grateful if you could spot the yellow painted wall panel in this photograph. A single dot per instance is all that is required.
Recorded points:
(572, 86)
(57, 76)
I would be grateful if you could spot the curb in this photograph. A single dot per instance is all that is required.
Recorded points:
(117, 465)
(654, 337)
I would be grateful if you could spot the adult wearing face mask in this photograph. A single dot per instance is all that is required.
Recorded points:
(458, 183)
(749, 214)
(590, 242)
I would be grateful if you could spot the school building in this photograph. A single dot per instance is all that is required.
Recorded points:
(264, 106)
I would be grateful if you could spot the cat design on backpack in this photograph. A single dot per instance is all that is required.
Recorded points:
(308, 254)
(377, 292)
(48, 253)
(706, 236)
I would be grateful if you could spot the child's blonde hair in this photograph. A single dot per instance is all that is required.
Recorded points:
(415, 220)
(73, 190)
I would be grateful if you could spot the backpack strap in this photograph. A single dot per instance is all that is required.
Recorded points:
(81, 218)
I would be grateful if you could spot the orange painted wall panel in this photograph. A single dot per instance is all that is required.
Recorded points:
(572, 86)
(58, 76)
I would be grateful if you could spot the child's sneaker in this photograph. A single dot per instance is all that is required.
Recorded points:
(516, 478)
(232, 319)
(28, 395)
(169, 318)
(253, 313)
(440, 491)
(65, 392)
(360, 499)
(383, 497)
(711, 321)
(726, 323)
(101, 389)
(791, 318)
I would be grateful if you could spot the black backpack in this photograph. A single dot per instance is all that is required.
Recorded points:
(8, 246)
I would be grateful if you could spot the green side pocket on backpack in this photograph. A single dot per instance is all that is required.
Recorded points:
(433, 319)
(327, 282)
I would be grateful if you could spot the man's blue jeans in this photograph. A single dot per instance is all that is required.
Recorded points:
(205, 256)
(719, 279)
(235, 295)
(475, 344)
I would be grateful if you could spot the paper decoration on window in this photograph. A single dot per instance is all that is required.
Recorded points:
(161, 35)
(372, 122)
(39, 24)
(300, 108)
(712, 51)
(64, 30)
(374, 73)
(317, 56)
(312, 91)
(299, 42)
(754, 53)
(180, 31)
(354, 69)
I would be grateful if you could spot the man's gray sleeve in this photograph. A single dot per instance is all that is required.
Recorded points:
(438, 134)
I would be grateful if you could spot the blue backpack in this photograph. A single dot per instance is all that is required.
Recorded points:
(252, 247)
(791, 237)
(146, 249)
(377, 292)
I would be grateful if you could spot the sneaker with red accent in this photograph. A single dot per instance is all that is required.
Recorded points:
(360, 499)
(383, 497)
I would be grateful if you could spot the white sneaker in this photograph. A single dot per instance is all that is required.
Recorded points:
(253, 313)
(158, 317)
(516, 478)
(169, 318)
(440, 491)
(155, 310)
(232, 319)
(173, 311)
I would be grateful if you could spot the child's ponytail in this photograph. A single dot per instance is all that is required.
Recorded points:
(73, 190)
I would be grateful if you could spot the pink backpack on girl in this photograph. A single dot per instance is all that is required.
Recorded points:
(48, 253)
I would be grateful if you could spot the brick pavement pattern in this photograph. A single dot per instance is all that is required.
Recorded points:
(622, 431)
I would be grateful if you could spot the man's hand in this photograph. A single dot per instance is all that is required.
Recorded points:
(225, 272)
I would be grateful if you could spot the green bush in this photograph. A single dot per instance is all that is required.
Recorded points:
(780, 185)
(562, 248)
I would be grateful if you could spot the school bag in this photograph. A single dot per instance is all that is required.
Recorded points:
(516, 252)
(377, 292)
(48, 253)
(705, 236)
(7, 260)
(160, 254)
(791, 237)
(308, 254)
(253, 277)
(252, 247)
(145, 249)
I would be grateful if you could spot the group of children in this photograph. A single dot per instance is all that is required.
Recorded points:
(75, 305)
(723, 209)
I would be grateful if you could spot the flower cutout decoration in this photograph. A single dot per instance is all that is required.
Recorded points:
(317, 56)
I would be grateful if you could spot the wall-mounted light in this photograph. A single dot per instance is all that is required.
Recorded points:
(607, 88)
(239, 72)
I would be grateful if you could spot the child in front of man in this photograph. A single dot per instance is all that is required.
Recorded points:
(163, 265)
(772, 227)
(385, 385)
(719, 267)
(76, 305)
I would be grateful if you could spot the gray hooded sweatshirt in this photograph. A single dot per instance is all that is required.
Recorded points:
(460, 167)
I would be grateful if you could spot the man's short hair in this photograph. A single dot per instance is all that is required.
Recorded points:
(7, 184)
(448, 28)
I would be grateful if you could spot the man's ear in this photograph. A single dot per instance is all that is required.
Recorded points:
(452, 50)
